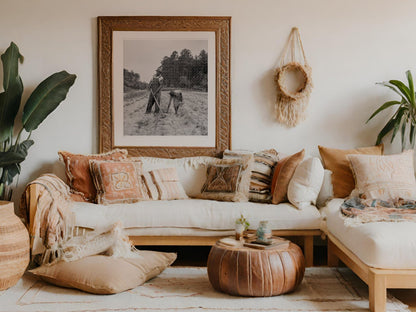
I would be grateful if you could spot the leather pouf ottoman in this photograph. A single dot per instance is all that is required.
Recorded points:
(245, 271)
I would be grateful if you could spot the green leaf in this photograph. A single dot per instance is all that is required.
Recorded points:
(403, 89)
(13, 89)
(411, 87)
(388, 85)
(9, 172)
(403, 133)
(387, 128)
(383, 107)
(412, 135)
(45, 98)
(398, 121)
(16, 154)
(10, 60)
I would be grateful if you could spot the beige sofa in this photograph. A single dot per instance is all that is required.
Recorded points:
(382, 254)
(193, 221)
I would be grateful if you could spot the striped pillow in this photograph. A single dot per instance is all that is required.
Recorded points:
(164, 184)
(261, 173)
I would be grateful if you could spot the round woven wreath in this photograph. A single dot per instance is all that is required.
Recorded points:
(305, 83)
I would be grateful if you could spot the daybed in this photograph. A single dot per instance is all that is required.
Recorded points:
(382, 254)
(190, 221)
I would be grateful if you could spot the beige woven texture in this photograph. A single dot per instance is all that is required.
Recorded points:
(14, 246)
(293, 80)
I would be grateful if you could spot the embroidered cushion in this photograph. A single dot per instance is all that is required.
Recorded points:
(283, 172)
(118, 181)
(77, 169)
(106, 275)
(261, 173)
(336, 161)
(228, 179)
(384, 177)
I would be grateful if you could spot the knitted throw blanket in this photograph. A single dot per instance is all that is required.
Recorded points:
(51, 227)
(52, 221)
(359, 210)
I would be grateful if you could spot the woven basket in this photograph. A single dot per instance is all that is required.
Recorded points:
(14, 246)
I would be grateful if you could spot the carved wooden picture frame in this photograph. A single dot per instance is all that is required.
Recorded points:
(195, 78)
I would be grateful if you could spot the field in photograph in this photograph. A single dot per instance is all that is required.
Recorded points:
(192, 117)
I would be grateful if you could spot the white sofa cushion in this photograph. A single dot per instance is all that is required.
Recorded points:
(191, 170)
(195, 213)
(385, 245)
(306, 183)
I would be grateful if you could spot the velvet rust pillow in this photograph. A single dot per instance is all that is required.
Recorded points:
(118, 181)
(336, 161)
(77, 170)
(283, 173)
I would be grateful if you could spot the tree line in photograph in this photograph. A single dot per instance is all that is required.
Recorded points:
(179, 70)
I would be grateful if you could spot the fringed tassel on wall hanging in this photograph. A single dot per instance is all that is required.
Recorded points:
(293, 81)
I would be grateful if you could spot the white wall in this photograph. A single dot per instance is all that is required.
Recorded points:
(350, 45)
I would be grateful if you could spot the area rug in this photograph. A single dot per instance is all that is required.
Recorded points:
(188, 289)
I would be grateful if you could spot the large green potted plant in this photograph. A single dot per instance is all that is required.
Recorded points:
(404, 117)
(41, 102)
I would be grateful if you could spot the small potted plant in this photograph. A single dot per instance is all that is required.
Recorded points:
(241, 225)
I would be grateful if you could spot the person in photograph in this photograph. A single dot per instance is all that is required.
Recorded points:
(155, 87)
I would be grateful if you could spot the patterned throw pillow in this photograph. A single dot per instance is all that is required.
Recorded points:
(261, 173)
(164, 184)
(283, 174)
(118, 181)
(384, 177)
(336, 161)
(228, 179)
(77, 169)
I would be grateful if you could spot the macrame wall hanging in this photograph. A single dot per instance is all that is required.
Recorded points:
(293, 81)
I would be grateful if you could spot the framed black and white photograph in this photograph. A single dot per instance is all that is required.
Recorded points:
(164, 85)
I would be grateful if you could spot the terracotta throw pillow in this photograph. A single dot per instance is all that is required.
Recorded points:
(283, 172)
(118, 181)
(228, 179)
(336, 161)
(106, 275)
(77, 169)
(384, 177)
(164, 184)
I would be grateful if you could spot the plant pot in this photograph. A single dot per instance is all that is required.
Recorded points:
(14, 246)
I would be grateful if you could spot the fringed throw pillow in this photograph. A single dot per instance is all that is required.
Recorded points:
(384, 177)
(164, 184)
(77, 169)
(118, 181)
(228, 179)
(262, 169)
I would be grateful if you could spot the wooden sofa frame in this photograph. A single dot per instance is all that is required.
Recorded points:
(378, 280)
(306, 236)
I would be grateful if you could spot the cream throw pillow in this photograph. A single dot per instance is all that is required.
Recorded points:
(106, 275)
(384, 177)
(306, 183)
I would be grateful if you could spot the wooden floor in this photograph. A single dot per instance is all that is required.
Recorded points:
(198, 255)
